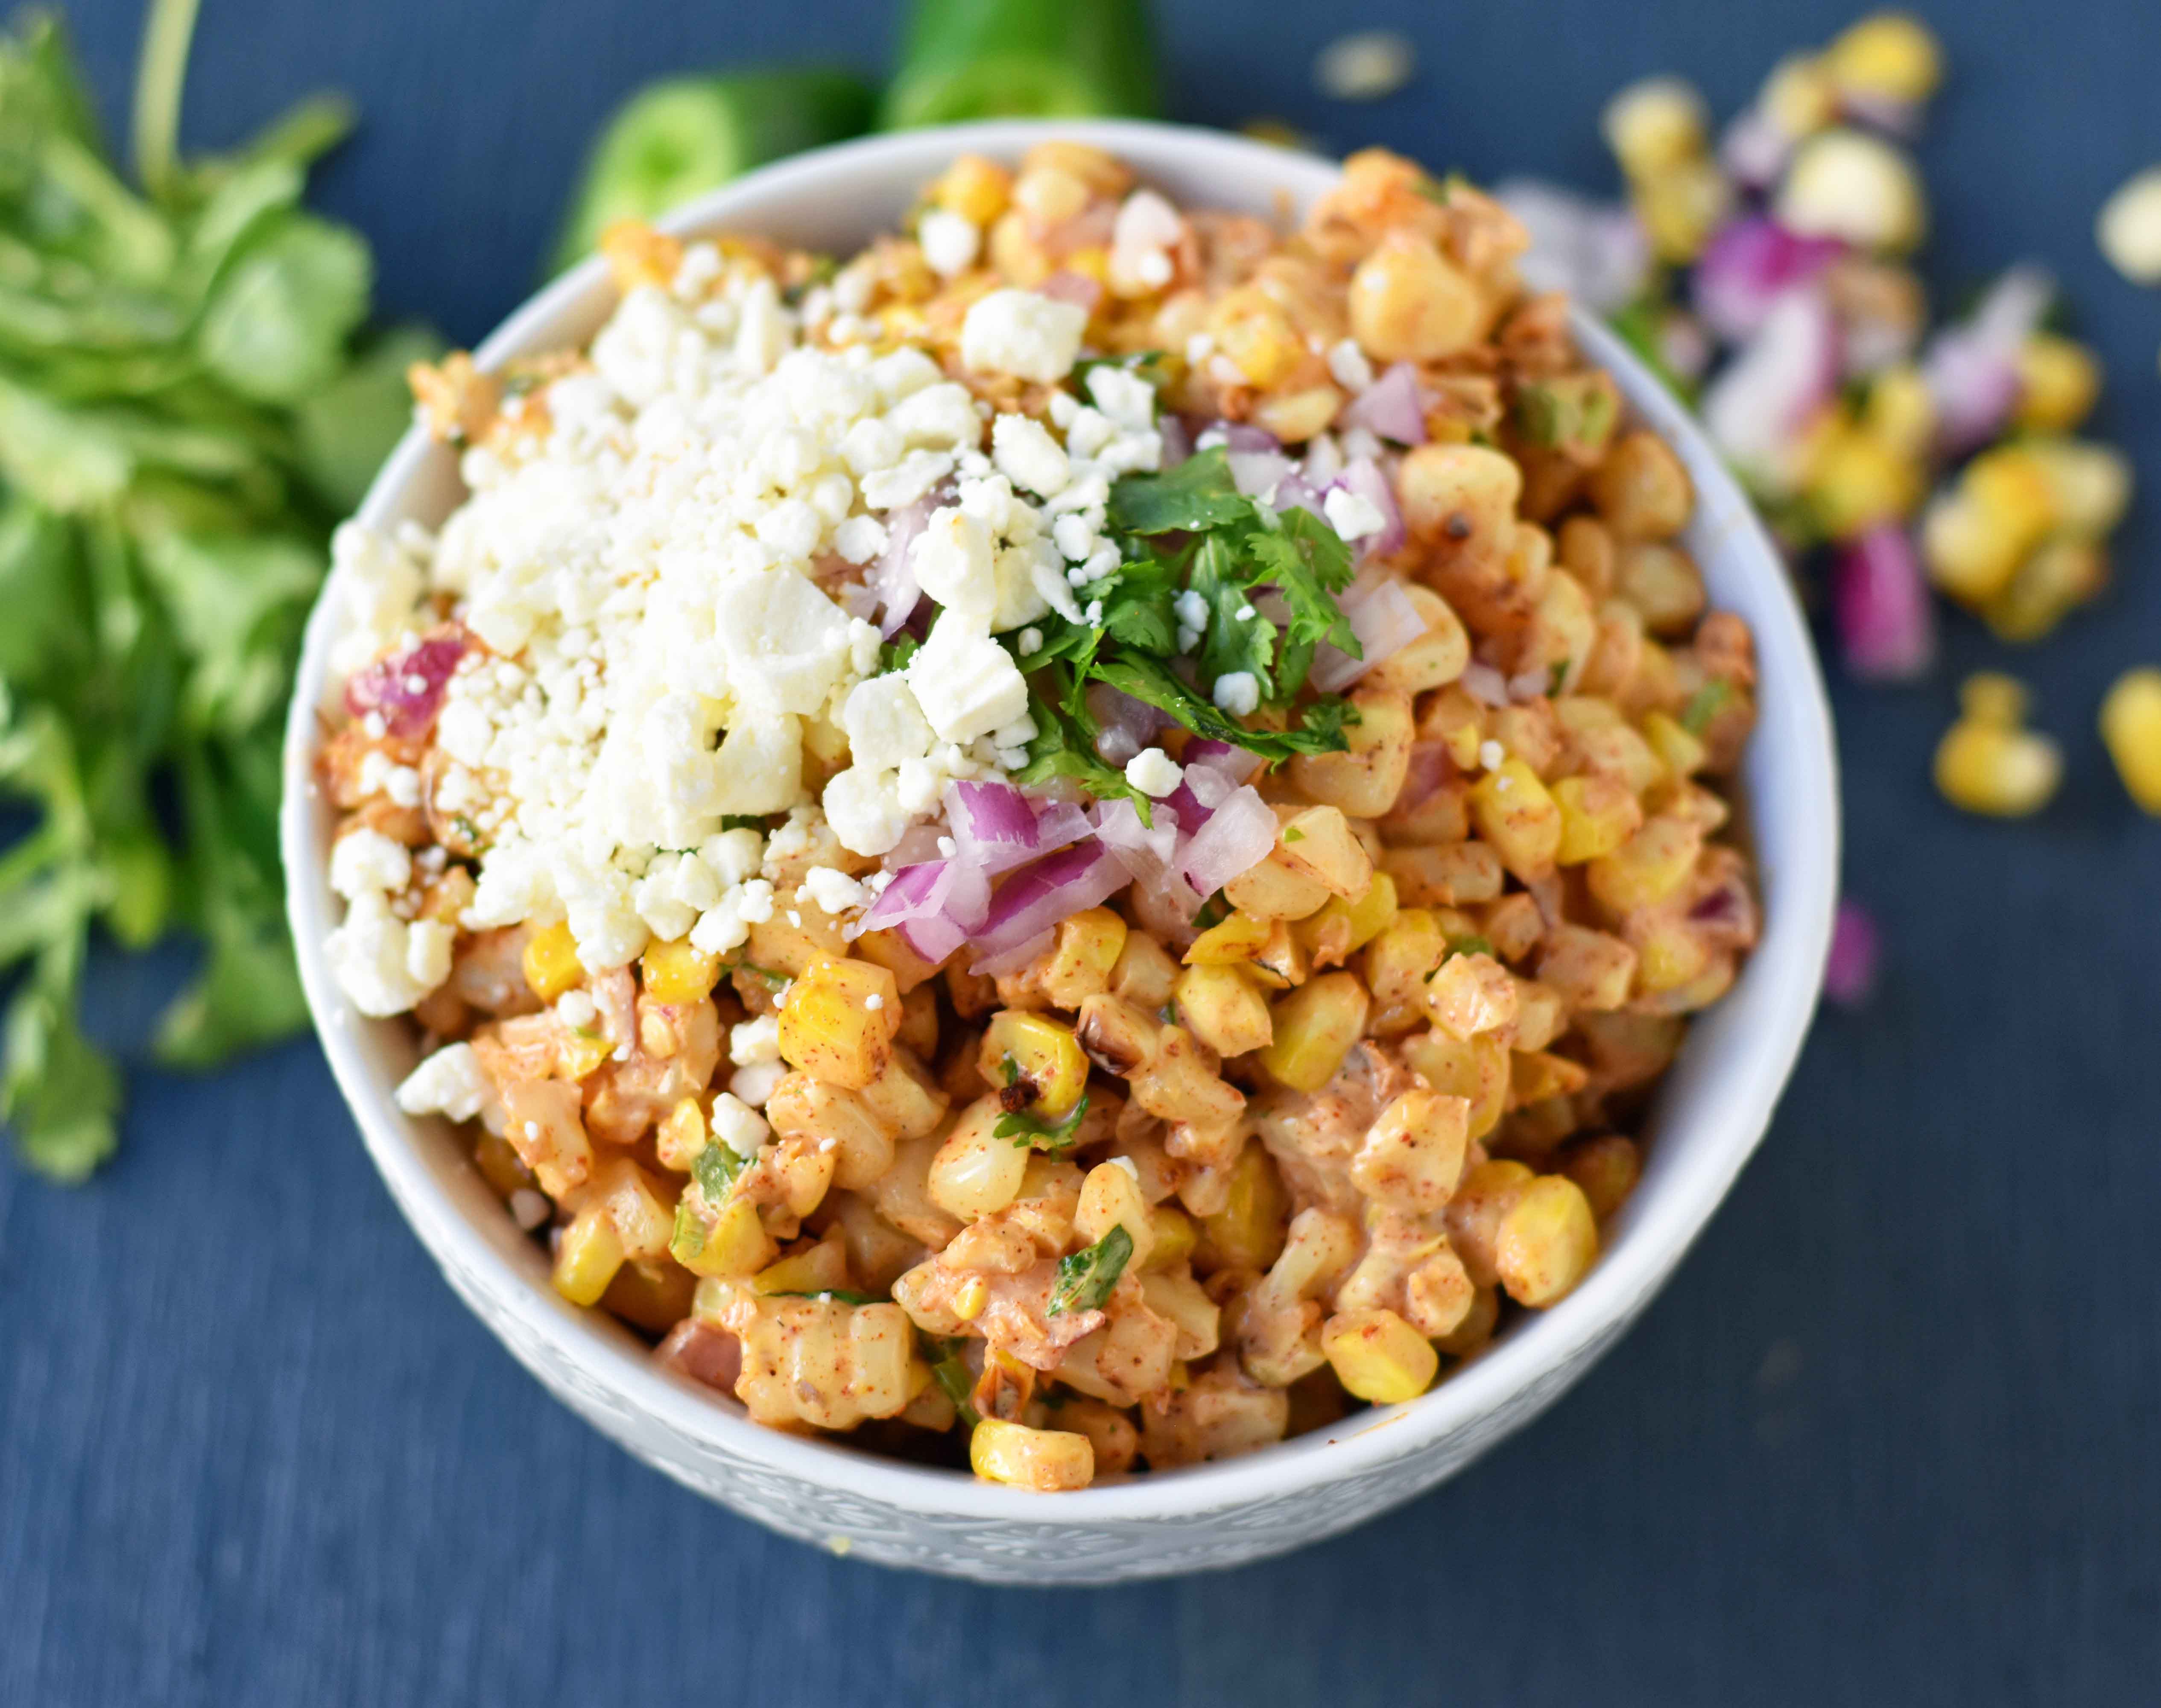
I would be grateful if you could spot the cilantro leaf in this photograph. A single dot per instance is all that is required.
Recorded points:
(952, 1374)
(1196, 495)
(1704, 705)
(896, 652)
(1232, 642)
(716, 1169)
(1086, 1279)
(1064, 746)
(1028, 1130)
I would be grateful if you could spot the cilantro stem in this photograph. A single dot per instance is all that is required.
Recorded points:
(160, 76)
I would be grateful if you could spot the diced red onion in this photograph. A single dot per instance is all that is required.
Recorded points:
(1887, 624)
(1147, 852)
(1258, 474)
(1754, 150)
(918, 843)
(1381, 616)
(1013, 960)
(1237, 837)
(406, 690)
(1237, 763)
(1038, 896)
(1856, 950)
(1748, 266)
(1059, 822)
(993, 825)
(1485, 684)
(1363, 476)
(1971, 369)
(1430, 767)
(1124, 724)
(1392, 406)
(894, 576)
(1243, 435)
(1076, 288)
(1758, 410)
(935, 906)
(1297, 493)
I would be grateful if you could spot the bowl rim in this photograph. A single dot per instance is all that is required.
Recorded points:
(1663, 1225)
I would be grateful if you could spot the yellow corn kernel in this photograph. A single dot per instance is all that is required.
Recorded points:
(1295, 417)
(1086, 949)
(1314, 1027)
(1546, 1242)
(1223, 1009)
(819, 1268)
(501, 1166)
(1272, 890)
(1032, 1050)
(974, 188)
(1681, 207)
(896, 954)
(1990, 696)
(1513, 812)
(1476, 1069)
(1363, 780)
(2059, 383)
(579, 1051)
(1590, 969)
(1252, 329)
(1900, 412)
(1412, 1156)
(1409, 947)
(1606, 1167)
(2063, 573)
(675, 973)
(1996, 768)
(840, 1020)
(1432, 660)
(1975, 537)
(1249, 1231)
(1653, 125)
(1341, 929)
(727, 1246)
(905, 1098)
(1110, 1197)
(1409, 303)
(970, 1298)
(1379, 1358)
(587, 1255)
(1470, 993)
(1045, 1460)
(1856, 480)
(1172, 1236)
(551, 962)
(975, 1173)
(1231, 943)
(1889, 54)
(1598, 814)
(643, 1219)
(2089, 485)
(1648, 867)
(2131, 728)
(1144, 973)
(1319, 842)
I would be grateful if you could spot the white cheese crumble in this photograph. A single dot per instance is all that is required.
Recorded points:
(1237, 692)
(1154, 772)
(950, 241)
(1022, 333)
(449, 1083)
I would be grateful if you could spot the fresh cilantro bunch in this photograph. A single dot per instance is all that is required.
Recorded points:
(1190, 529)
(182, 419)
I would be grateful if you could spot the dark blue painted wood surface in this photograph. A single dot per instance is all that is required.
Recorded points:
(1890, 1436)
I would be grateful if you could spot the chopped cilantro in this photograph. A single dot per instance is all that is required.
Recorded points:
(839, 1295)
(896, 652)
(1086, 1279)
(1195, 497)
(951, 1372)
(1462, 946)
(1557, 675)
(1028, 1130)
(1213, 912)
(1294, 835)
(778, 981)
(1704, 705)
(742, 821)
(716, 1169)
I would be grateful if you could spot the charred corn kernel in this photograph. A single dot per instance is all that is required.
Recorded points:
(675, 973)
(1046, 1460)
(1855, 186)
(976, 1174)
(2063, 574)
(819, 1268)
(1546, 1242)
(587, 1254)
(551, 962)
(1231, 943)
(858, 1143)
(1891, 55)
(1682, 754)
(1990, 696)
(1681, 207)
(839, 1021)
(1005, 1387)
(1281, 960)
(1314, 1027)
(1900, 411)
(1642, 490)
(1379, 1358)
(2131, 727)
(1144, 973)
(1996, 769)
(974, 188)
(1470, 993)
(1363, 780)
(1086, 949)
(1120, 1037)
(1409, 303)
(1598, 814)
(1476, 1069)
(1655, 125)
(1514, 813)
(1248, 1233)
(2059, 383)
(727, 1246)
(2089, 485)
(1648, 867)
(1223, 1008)
(1110, 1197)
(1341, 929)
(1319, 842)
(1173, 1237)
(1271, 890)
(1034, 1051)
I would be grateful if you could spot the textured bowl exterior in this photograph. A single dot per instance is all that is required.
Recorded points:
(1711, 1113)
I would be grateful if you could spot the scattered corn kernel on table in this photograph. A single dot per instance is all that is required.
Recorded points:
(1888, 1435)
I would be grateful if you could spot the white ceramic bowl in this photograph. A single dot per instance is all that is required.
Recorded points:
(1710, 1117)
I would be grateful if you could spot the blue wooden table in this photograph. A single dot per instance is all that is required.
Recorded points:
(1891, 1437)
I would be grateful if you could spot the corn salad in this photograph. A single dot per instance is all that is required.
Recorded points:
(1162, 1183)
